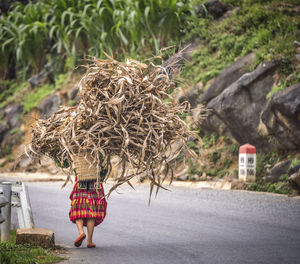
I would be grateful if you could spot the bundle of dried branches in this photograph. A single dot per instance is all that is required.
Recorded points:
(125, 110)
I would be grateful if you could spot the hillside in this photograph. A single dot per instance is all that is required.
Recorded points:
(238, 58)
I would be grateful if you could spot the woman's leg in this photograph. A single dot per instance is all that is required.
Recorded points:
(79, 224)
(90, 228)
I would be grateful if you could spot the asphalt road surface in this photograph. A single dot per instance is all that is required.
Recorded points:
(181, 226)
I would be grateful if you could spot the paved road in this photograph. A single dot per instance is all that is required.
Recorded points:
(181, 226)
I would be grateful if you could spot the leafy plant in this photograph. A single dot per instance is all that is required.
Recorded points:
(209, 141)
(78, 28)
(11, 253)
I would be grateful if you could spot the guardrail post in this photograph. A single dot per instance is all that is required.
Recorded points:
(26, 207)
(6, 212)
(3, 202)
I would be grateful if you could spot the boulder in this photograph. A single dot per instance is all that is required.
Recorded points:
(294, 181)
(3, 129)
(236, 111)
(280, 168)
(212, 7)
(177, 61)
(12, 115)
(183, 177)
(73, 93)
(199, 114)
(191, 95)
(294, 178)
(9, 132)
(42, 77)
(227, 77)
(24, 163)
(36, 237)
(49, 105)
(9, 140)
(281, 117)
(4, 6)
(294, 169)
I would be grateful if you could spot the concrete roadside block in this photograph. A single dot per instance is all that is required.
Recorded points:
(214, 185)
(36, 237)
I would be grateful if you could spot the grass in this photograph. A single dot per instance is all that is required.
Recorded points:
(217, 154)
(10, 91)
(19, 92)
(265, 160)
(281, 187)
(266, 27)
(11, 253)
(33, 98)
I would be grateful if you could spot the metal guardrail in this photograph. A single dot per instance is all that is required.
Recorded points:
(16, 195)
(3, 202)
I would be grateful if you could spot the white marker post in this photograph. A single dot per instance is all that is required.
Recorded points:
(247, 163)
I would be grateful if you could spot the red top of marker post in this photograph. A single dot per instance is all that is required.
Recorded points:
(248, 149)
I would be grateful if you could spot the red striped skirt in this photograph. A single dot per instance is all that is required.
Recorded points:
(87, 204)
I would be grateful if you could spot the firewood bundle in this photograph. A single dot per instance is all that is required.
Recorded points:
(125, 111)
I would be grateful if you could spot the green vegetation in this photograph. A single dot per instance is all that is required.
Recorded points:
(209, 141)
(292, 78)
(10, 91)
(281, 187)
(33, 98)
(74, 29)
(267, 27)
(16, 92)
(15, 131)
(72, 103)
(268, 160)
(218, 155)
(11, 253)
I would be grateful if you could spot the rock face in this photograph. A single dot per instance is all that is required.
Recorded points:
(36, 237)
(294, 178)
(12, 114)
(42, 77)
(4, 4)
(236, 110)
(176, 62)
(191, 96)
(3, 129)
(49, 105)
(212, 7)
(10, 134)
(281, 117)
(280, 168)
(227, 77)
(240, 108)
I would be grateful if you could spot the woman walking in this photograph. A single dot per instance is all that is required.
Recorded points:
(88, 203)
(88, 208)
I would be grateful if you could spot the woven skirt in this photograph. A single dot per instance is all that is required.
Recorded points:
(87, 204)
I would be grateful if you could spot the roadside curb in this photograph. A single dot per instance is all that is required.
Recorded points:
(31, 177)
(214, 185)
